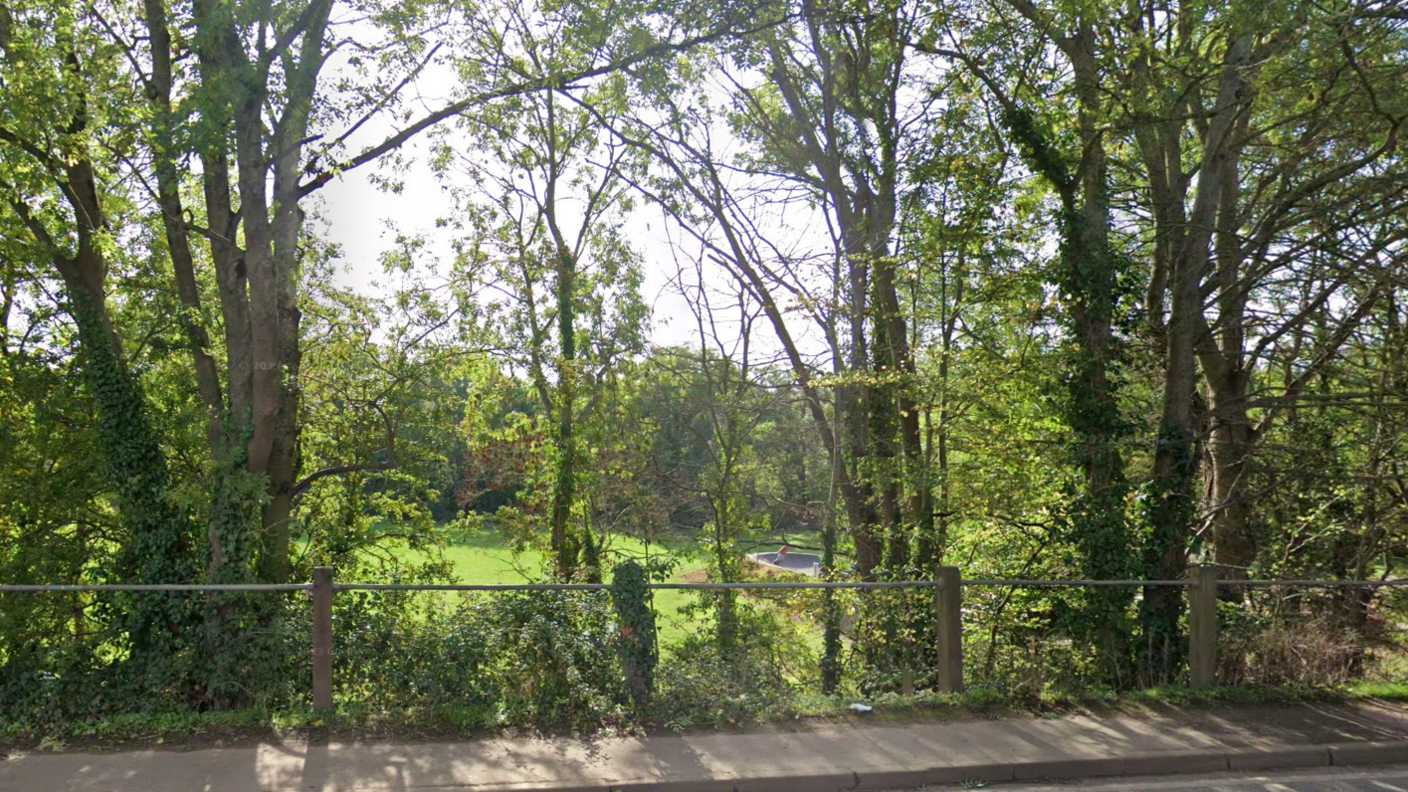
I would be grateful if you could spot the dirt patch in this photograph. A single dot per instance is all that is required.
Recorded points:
(697, 576)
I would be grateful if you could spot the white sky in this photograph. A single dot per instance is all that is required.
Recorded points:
(365, 220)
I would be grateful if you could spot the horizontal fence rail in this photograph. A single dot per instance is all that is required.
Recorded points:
(1072, 583)
(898, 584)
(1317, 583)
(1202, 585)
(190, 587)
(6, 589)
(865, 586)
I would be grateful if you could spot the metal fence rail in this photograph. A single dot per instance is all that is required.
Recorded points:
(160, 587)
(1073, 583)
(1202, 585)
(860, 585)
(898, 584)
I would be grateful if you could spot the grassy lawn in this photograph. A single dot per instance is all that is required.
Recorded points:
(484, 557)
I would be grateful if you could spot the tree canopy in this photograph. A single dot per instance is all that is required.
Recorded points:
(1071, 290)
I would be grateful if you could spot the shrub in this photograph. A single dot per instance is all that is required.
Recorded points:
(401, 649)
(1301, 648)
(554, 658)
(703, 685)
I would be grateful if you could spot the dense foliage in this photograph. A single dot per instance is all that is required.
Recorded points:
(1067, 290)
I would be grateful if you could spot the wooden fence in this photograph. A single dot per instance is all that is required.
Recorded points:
(1202, 584)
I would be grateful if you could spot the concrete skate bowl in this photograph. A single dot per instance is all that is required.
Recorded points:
(800, 563)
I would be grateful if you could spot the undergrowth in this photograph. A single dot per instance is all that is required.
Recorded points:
(357, 721)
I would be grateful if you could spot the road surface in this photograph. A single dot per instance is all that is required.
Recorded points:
(1339, 779)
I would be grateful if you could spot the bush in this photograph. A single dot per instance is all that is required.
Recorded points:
(1301, 648)
(703, 685)
(253, 652)
(555, 663)
(402, 649)
(894, 633)
(524, 658)
(250, 650)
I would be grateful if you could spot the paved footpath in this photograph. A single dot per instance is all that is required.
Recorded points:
(857, 755)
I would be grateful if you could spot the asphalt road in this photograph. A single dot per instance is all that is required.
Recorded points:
(1344, 779)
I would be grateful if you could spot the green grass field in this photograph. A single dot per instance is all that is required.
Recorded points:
(484, 557)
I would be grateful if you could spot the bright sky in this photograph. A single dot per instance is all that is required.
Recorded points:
(365, 221)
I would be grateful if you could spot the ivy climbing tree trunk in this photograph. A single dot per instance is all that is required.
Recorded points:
(636, 643)
(564, 493)
(1086, 274)
(1089, 275)
(156, 544)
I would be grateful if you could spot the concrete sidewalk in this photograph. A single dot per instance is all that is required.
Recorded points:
(857, 755)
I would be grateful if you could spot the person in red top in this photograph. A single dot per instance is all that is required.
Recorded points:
(781, 554)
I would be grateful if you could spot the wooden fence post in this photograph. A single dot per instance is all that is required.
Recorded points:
(1202, 628)
(950, 601)
(322, 639)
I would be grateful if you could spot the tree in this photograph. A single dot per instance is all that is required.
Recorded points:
(1072, 159)
(551, 205)
(249, 112)
(64, 125)
(1266, 207)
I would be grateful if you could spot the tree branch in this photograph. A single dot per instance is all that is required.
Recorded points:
(341, 470)
(541, 83)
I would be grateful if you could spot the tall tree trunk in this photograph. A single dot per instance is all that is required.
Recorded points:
(1090, 273)
(1093, 411)
(861, 506)
(565, 488)
(259, 285)
(1171, 498)
(884, 432)
(908, 480)
(1230, 449)
(178, 241)
(230, 513)
(864, 225)
(1223, 355)
(1087, 276)
(951, 292)
(831, 606)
